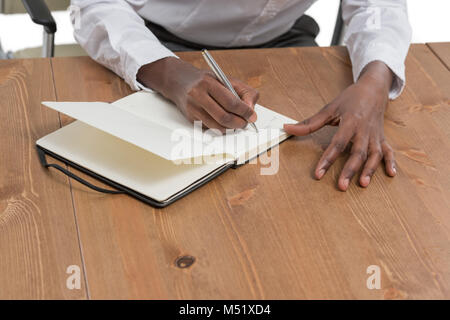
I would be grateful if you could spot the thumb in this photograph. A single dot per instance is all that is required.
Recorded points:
(309, 125)
(248, 94)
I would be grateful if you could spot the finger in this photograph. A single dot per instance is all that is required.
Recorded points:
(311, 124)
(358, 155)
(199, 114)
(248, 94)
(228, 101)
(389, 159)
(224, 118)
(372, 163)
(336, 147)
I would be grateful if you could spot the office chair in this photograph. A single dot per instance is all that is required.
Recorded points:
(338, 32)
(40, 14)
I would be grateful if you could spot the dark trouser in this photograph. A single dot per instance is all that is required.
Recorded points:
(302, 34)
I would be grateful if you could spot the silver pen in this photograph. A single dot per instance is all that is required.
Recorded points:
(221, 76)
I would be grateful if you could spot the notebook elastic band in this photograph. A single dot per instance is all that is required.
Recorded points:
(81, 180)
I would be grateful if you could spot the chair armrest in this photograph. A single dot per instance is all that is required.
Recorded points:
(338, 28)
(40, 14)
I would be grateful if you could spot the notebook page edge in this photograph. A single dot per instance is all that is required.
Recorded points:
(52, 142)
(114, 131)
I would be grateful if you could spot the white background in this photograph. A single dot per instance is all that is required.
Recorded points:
(429, 19)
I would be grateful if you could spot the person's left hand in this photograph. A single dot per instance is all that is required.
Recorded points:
(359, 112)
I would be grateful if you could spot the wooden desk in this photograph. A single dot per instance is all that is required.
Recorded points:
(442, 51)
(285, 236)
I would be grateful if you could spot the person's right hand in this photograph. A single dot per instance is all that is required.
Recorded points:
(199, 95)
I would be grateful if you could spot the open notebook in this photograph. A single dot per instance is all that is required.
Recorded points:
(142, 145)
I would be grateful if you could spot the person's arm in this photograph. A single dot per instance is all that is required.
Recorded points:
(378, 30)
(377, 39)
(113, 34)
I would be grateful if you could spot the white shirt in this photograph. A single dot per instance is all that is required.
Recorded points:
(114, 34)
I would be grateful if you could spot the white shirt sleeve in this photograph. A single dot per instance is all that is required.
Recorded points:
(378, 30)
(113, 34)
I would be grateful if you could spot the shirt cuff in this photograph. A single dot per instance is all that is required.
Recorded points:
(142, 55)
(386, 54)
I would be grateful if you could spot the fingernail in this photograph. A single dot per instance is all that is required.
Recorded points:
(365, 180)
(321, 173)
(253, 117)
(345, 183)
(394, 170)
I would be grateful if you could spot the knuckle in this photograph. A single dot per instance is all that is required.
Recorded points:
(385, 144)
(370, 171)
(203, 83)
(390, 162)
(234, 104)
(388, 152)
(360, 153)
(205, 78)
(306, 122)
(326, 108)
(247, 112)
(193, 91)
(327, 111)
(392, 156)
(357, 116)
(197, 90)
(329, 108)
(226, 119)
(378, 152)
(340, 145)
(255, 95)
(348, 173)
(327, 162)
(250, 92)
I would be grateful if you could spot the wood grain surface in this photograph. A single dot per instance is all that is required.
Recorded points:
(38, 236)
(442, 51)
(246, 235)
